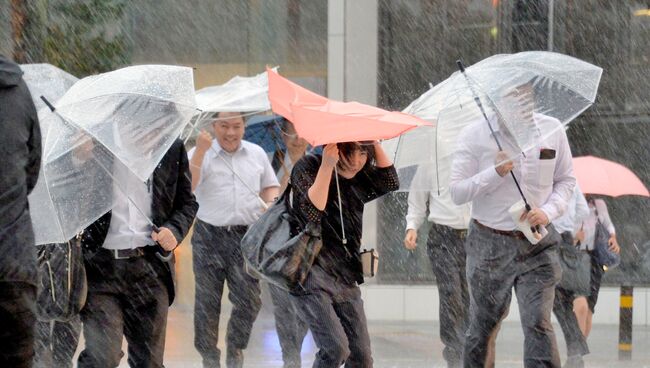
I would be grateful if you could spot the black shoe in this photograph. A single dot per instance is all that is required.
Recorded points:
(574, 361)
(234, 358)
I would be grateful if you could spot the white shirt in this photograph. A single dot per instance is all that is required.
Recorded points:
(223, 199)
(589, 224)
(577, 210)
(442, 210)
(547, 184)
(129, 227)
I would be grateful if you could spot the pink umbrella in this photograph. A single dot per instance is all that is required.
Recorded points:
(599, 176)
(320, 120)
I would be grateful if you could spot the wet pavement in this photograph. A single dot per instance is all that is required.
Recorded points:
(397, 344)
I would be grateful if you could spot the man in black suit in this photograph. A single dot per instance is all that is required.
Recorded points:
(129, 286)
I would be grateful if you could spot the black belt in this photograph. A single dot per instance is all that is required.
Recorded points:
(233, 228)
(513, 234)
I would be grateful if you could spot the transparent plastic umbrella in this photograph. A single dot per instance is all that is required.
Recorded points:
(508, 92)
(246, 95)
(46, 80)
(129, 117)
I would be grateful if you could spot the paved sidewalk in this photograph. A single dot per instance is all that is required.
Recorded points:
(395, 344)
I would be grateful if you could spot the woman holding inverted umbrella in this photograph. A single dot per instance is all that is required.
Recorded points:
(329, 299)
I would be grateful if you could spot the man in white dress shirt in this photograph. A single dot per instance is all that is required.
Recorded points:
(498, 256)
(229, 176)
(446, 250)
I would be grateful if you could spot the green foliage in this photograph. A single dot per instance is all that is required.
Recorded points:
(84, 37)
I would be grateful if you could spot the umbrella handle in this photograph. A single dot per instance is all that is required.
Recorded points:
(161, 253)
(48, 103)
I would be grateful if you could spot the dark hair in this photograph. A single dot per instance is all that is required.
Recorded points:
(347, 149)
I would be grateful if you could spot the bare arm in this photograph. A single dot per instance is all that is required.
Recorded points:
(269, 194)
(381, 156)
(195, 167)
(319, 191)
(203, 143)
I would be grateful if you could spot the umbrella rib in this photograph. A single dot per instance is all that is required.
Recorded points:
(477, 99)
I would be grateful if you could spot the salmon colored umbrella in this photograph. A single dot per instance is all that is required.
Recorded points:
(320, 120)
(599, 176)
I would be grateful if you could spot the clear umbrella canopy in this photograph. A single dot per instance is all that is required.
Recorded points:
(46, 80)
(126, 119)
(246, 95)
(135, 112)
(524, 97)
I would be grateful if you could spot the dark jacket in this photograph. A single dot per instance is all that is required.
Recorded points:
(343, 261)
(20, 150)
(173, 206)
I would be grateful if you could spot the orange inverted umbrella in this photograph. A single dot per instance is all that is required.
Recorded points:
(599, 176)
(320, 120)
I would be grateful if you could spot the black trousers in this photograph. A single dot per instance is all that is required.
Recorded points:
(56, 343)
(446, 250)
(217, 258)
(594, 285)
(126, 297)
(17, 318)
(290, 328)
(335, 315)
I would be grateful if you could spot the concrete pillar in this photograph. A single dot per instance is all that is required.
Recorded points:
(352, 63)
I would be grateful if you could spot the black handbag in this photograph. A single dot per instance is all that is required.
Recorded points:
(276, 250)
(576, 268)
(62, 285)
(605, 258)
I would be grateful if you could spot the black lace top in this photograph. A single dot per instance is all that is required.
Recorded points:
(340, 260)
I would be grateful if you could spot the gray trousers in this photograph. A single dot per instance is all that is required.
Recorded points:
(446, 250)
(495, 264)
(334, 312)
(291, 329)
(563, 310)
(217, 258)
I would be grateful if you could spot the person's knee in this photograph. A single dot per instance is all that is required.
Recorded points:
(537, 320)
(580, 306)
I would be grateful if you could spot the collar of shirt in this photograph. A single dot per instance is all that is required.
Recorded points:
(216, 148)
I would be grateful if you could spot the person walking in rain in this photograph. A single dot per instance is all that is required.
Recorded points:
(498, 256)
(129, 287)
(331, 190)
(230, 177)
(290, 328)
(21, 146)
(585, 306)
(567, 225)
(446, 250)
